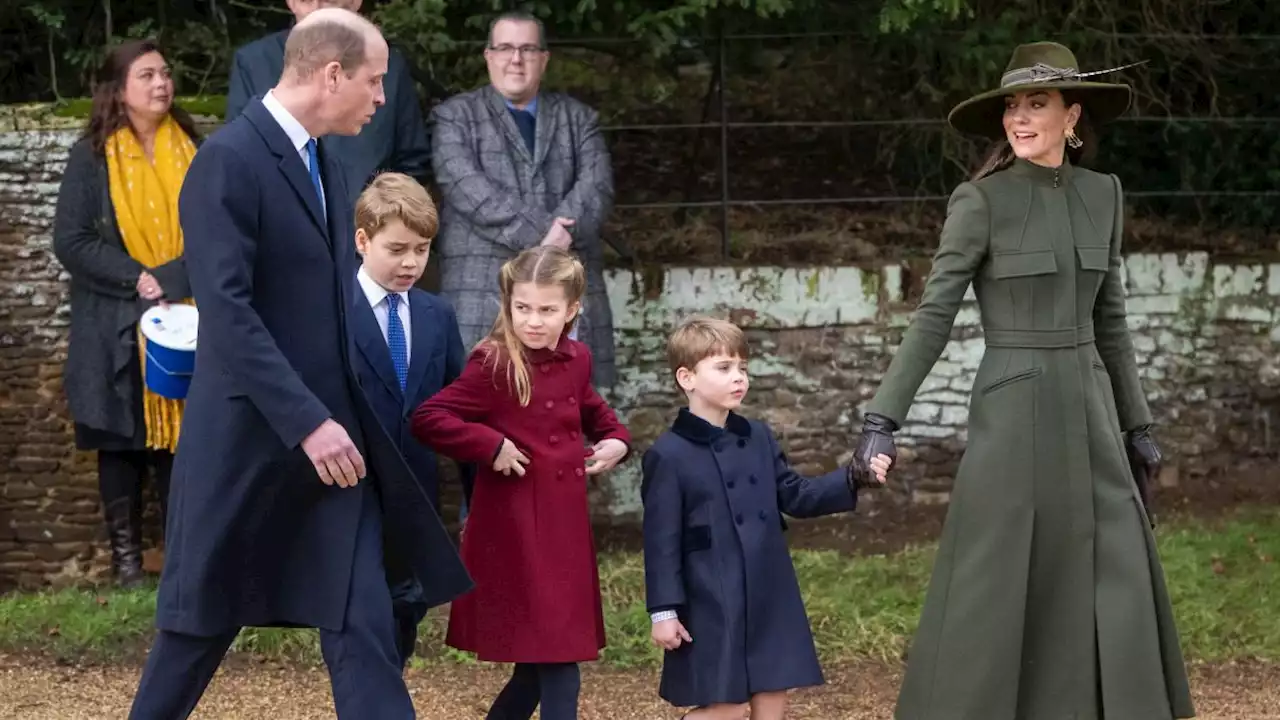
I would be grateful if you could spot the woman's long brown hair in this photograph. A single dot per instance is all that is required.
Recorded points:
(545, 266)
(1000, 155)
(108, 112)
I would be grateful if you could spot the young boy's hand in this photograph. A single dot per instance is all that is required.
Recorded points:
(510, 459)
(880, 467)
(605, 454)
(670, 634)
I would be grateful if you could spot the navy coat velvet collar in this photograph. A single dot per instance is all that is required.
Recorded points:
(696, 430)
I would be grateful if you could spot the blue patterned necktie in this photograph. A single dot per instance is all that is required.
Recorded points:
(395, 340)
(313, 159)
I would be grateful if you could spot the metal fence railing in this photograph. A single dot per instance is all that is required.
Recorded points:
(725, 125)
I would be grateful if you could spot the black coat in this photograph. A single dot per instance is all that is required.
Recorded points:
(714, 550)
(254, 537)
(102, 392)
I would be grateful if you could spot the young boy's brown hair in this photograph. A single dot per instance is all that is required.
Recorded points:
(395, 196)
(700, 337)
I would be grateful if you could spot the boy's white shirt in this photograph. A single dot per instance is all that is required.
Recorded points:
(377, 296)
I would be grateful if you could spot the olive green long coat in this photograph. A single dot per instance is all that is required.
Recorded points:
(1047, 600)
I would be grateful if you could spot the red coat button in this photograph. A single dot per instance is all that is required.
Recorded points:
(550, 404)
(553, 439)
(573, 434)
(578, 472)
(573, 401)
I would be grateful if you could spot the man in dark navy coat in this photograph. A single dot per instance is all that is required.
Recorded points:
(284, 482)
(396, 139)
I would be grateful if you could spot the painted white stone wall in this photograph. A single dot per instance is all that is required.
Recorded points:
(1205, 335)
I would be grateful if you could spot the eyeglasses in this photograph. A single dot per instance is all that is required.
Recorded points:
(504, 50)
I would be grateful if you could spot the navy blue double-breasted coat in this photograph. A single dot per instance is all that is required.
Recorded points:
(714, 551)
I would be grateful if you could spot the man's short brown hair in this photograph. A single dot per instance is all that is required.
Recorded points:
(396, 196)
(701, 337)
(319, 40)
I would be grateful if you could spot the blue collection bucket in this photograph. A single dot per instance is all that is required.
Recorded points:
(169, 337)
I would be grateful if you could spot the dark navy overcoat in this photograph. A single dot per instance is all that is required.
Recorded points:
(714, 550)
(254, 538)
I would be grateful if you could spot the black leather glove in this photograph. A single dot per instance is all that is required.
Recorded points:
(877, 439)
(1144, 462)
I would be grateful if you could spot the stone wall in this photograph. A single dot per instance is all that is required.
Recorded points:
(1205, 332)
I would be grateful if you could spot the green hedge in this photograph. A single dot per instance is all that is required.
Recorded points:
(198, 105)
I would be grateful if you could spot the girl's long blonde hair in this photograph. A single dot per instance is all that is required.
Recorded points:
(544, 265)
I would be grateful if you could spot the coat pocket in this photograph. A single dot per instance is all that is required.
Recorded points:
(1008, 380)
(1094, 257)
(696, 538)
(1027, 263)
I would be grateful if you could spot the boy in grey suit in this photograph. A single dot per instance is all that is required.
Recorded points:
(518, 168)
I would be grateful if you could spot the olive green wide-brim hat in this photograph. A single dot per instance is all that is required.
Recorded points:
(1042, 66)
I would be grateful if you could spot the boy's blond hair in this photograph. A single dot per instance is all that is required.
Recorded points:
(395, 196)
(701, 337)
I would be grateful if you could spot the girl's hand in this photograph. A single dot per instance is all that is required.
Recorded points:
(670, 634)
(605, 454)
(510, 459)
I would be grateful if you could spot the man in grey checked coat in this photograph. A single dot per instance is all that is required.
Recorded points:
(517, 168)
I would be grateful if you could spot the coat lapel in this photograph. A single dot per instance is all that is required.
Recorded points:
(423, 322)
(498, 107)
(544, 128)
(368, 337)
(291, 164)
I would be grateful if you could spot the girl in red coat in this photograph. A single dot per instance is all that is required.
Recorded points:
(521, 410)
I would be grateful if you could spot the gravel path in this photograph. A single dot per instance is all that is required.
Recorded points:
(39, 690)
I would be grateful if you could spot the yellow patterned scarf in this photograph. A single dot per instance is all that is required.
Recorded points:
(145, 197)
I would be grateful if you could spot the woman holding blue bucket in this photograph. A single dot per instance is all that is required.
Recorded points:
(116, 232)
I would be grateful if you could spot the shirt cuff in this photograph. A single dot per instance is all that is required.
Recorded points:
(663, 616)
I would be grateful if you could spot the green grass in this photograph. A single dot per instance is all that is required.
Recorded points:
(1222, 576)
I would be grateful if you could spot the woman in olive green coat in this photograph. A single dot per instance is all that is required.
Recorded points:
(1047, 600)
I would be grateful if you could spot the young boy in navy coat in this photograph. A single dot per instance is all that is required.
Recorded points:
(408, 346)
(721, 588)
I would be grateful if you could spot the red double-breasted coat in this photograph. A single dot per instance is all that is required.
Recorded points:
(528, 544)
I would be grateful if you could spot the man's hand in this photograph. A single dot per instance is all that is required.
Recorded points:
(148, 287)
(670, 634)
(334, 456)
(559, 234)
(605, 454)
(510, 459)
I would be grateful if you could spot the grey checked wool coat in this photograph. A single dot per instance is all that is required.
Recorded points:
(498, 200)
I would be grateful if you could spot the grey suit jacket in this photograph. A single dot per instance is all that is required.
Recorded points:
(395, 140)
(498, 199)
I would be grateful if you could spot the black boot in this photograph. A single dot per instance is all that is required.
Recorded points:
(124, 532)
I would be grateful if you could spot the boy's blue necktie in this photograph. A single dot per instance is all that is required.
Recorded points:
(313, 159)
(395, 340)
